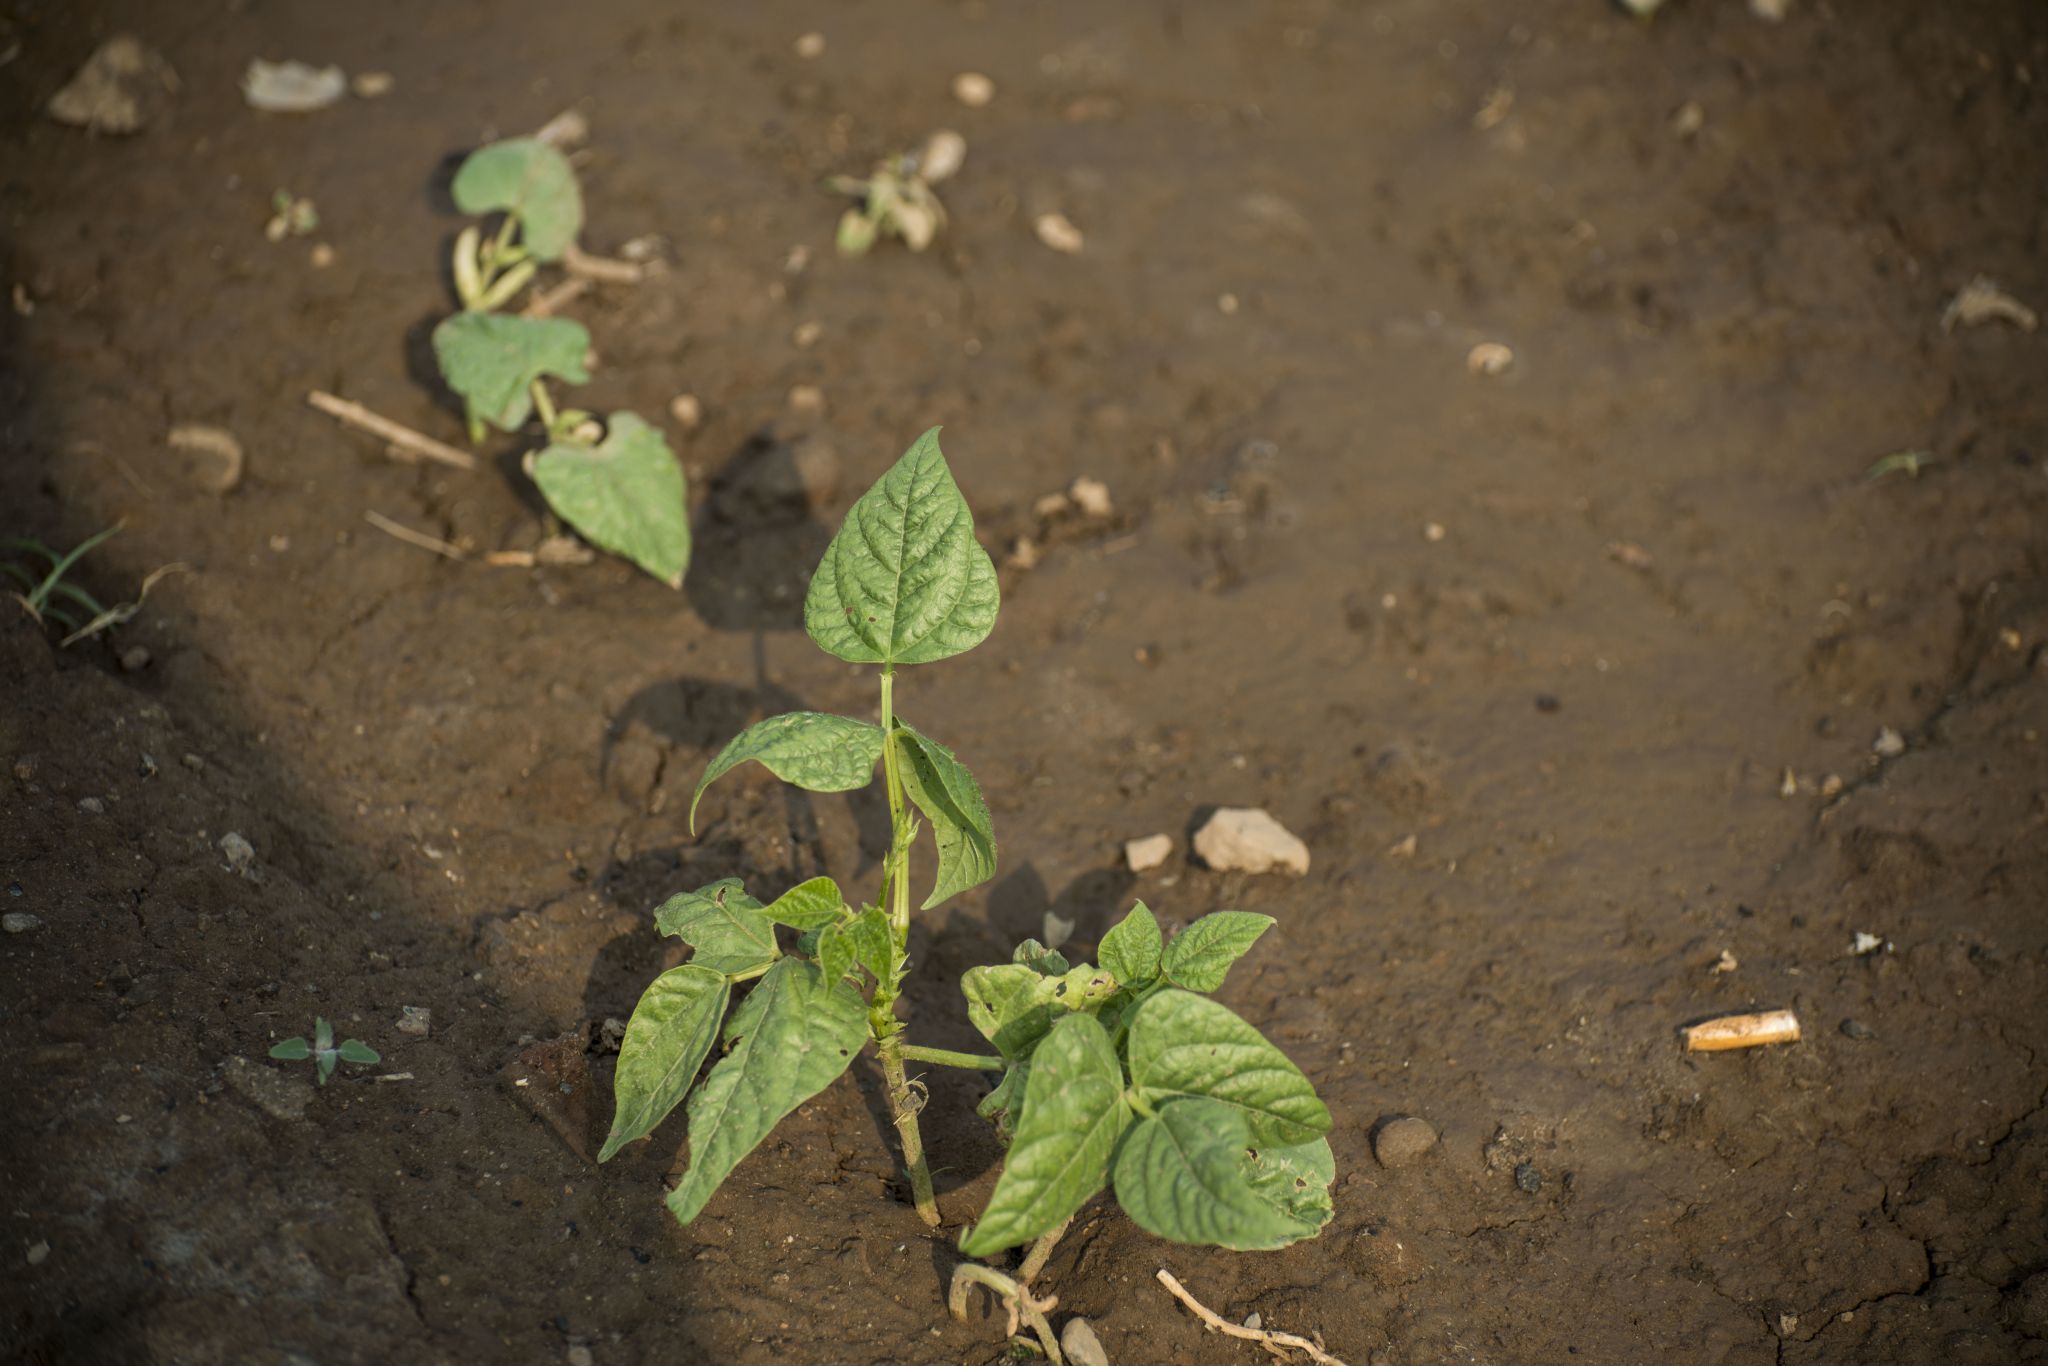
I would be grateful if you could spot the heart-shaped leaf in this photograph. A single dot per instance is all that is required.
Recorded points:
(1073, 1114)
(1181, 1044)
(812, 749)
(904, 581)
(624, 494)
(492, 360)
(529, 180)
(951, 800)
(666, 1041)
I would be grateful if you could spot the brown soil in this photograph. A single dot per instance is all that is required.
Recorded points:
(1661, 581)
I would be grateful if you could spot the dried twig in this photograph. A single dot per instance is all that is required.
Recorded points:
(577, 261)
(405, 438)
(552, 301)
(1017, 1299)
(411, 537)
(1276, 1343)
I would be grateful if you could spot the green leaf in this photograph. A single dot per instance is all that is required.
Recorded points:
(951, 800)
(1181, 1044)
(292, 1050)
(835, 952)
(1200, 956)
(811, 749)
(873, 946)
(792, 1036)
(1073, 1114)
(323, 1063)
(1001, 1106)
(624, 494)
(531, 181)
(1183, 1174)
(492, 360)
(809, 905)
(1040, 959)
(1010, 1004)
(729, 929)
(1297, 1180)
(1131, 948)
(671, 1031)
(904, 581)
(355, 1050)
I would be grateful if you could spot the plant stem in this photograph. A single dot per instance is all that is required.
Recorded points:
(545, 406)
(946, 1057)
(1015, 1295)
(1041, 1253)
(882, 1021)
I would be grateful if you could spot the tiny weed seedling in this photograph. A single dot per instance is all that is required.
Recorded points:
(1120, 1074)
(896, 198)
(49, 597)
(324, 1052)
(618, 484)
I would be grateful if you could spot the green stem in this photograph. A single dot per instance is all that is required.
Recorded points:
(946, 1057)
(545, 406)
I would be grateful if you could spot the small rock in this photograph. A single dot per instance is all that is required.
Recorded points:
(1080, 1345)
(687, 410)
(944, 153)
(1249, 840)
(193, 762)
(1143, 855)
(806, 335)
(1689, 119)
(810, 46)
(292, 87)
(417, 1021)
(1527, 1178)
(1889, 744)
(1866, 943)
(240, 854)
(1091, 496)
(806, 398)
(321, 256)
(268, 1089)
(1857, 1030)
(1489, 358)
(92, 806)
(135, 659)
(1402, 1140)
(611, 1036)
(579, 1355)
(1255, 1320)
(1056, 232)
(973, 89)
(38, 1252)
(1773, 10)
(371, 85)
(19, 922)
(1982, 301)
(121, 87)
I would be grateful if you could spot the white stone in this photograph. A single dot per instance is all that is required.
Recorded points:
(1249, 840)
(1143, 855)
(19, 922)
(239, 853)
(1079, 1344)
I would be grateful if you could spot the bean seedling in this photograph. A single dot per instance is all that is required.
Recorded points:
(1120, 1074)
(896, 198)
(324, 1052)
(618, 484)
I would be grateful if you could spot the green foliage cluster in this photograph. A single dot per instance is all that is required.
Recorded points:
(324, 1051)
(1121, 1074)
(619, 485)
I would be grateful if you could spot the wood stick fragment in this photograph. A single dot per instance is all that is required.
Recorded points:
(552, 301)
(1742, 1031)
(1272, 1342)
(577, 261)
(411, 537)
(362, 419)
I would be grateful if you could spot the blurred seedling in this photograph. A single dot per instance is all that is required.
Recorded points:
(51, 598)
(896, 198)
(290, 216)
(617, 482)
(1910, 462)
(323, 1050)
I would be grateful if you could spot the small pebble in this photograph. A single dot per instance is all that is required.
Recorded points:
(417, 1021)
(1489, 358)
(371, 85)
(1143, 855)
(1527, 1178)
(579, 1355)
(239, 853)
(1254, 1320)
(134, 659)
(19, 922)
(1091, 496)
(1056, 232)
(193, 762)
(1866, 942)
(321, 256)
(687, 411)
(973, 89)
(806, 398)
(92, 806)
(810, 46)
(806, 335)
(37, 1253)
(1080, 1345)
(1889, 744)
(944, 153)
(1402, 1141)
(1249, 840)
(1858, 1030)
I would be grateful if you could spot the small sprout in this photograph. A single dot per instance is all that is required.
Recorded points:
(897, 199)
(1912, 462)
(324, 1051)
(290, 216)
(48, 597)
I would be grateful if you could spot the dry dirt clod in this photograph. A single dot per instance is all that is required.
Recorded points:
(214, 457)
(1402, 1140)
(806, 398)
(1889, 744)
(121, 87)
(1688, 119)
(1726, 963)
(1982, 301)
(240, 854)
(268, 1089)
(1056, 232)
(1091, 496)
(292, 87)
(1143, 855)
(1080, 1345)
(810, 46)
(1249, 840)
(973, 89)
(1489, 358)
(371, 85)
(135, 659)
(417, 1021)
